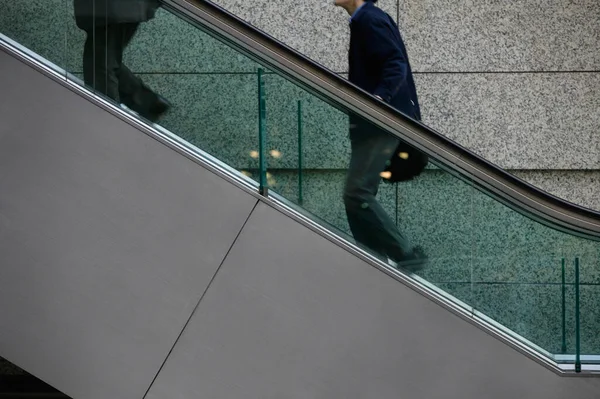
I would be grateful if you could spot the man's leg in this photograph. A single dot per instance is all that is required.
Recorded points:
(102, 54)
(370, 224)
(132, 90)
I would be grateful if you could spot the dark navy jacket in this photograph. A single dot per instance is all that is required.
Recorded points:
(379, 62)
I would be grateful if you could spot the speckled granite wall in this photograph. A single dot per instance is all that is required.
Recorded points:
(577, 186)
(515, 83)
(488, 35)
(519, 120)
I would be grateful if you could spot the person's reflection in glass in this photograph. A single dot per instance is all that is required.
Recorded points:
(110, 25)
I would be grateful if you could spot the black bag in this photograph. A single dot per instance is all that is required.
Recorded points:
(405, 164)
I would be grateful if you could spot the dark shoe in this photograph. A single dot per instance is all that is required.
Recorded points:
(413, 262)
(157, 110)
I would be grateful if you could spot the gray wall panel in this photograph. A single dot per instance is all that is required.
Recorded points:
(291, 316)
(107, 239)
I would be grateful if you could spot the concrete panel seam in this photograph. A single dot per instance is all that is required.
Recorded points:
(201, 298)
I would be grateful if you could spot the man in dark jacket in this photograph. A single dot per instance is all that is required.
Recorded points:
(110, 25)
(379, 65)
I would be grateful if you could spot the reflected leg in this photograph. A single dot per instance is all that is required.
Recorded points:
(132, 90)
(102, 54)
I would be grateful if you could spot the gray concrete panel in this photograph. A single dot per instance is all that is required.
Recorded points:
(108, 239)
(292, 316)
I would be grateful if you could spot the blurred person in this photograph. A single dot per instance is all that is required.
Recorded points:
(110, 25)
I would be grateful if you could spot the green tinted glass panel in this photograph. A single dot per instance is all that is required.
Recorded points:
(39, 25)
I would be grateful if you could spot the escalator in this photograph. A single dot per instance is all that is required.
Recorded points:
(209, 256)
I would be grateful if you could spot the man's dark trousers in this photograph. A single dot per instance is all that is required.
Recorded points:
(370, 224)
(104, 71)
